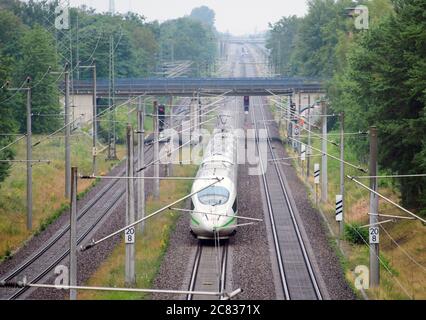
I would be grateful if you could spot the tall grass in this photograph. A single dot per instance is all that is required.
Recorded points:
(48, 188)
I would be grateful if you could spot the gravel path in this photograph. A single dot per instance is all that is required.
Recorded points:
(177, 263)
(252, 270)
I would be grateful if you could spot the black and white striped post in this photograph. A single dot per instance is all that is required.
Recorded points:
(317, 173)
(339, 213)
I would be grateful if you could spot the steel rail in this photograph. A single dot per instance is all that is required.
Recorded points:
(64, 231)
(294, 220)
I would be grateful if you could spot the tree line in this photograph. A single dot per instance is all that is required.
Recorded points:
(31, 46)
(376, 76)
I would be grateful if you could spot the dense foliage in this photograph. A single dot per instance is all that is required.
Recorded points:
(31, 46)
(377, 76)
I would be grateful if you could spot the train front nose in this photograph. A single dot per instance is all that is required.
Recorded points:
(210, 227)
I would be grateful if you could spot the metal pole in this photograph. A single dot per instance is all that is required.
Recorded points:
(156, 152)
(288, 121)
(299, 144)
(199, 118)
(309, 151)
(342, 171)
(94, 120)
(324, 176)
(191, 125)
(170, 165)
(280, 116)
(141, 163)
(67, 135)
(73, 234)
(29, 164)
(130, 213)
(374, 206)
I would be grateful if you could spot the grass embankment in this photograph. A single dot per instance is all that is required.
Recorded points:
(48, 188)
(150, 246)
(401, 278)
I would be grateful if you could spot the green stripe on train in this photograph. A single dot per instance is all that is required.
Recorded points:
(195, 221)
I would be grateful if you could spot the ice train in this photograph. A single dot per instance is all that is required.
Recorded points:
(214, 209)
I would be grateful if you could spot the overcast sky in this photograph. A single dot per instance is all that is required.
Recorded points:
(236, 16)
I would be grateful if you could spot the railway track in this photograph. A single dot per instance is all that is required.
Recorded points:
(40, 264)
(110, 196)
(209, 269)
(298, 280)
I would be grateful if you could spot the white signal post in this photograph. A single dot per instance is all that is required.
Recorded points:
(317, 173)
(303, 157)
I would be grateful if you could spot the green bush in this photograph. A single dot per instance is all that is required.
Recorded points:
(355, 234)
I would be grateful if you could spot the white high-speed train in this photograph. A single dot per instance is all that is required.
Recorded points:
(214, 209)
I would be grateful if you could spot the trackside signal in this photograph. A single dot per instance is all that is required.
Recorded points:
(161, 117)
(246, 104)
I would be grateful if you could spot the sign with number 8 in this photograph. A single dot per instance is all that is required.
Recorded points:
(374, 235)
(129, 235)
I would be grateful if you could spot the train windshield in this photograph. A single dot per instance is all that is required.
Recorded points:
(214, 196)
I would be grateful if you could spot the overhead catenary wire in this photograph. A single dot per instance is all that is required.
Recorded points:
(319, 136)
(403, 250)
(420, 175)
(57, 131)
(13, 142)
(144, 178)
(386, 199)
(216, 214)
(383, 263)
(32, 161)
(335, 158)
(294, 158)
(94, 243)
(161, 158)
(66, 287)
(361, 133)
(17, 91)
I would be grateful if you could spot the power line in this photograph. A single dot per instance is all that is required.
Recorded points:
(12, 143)
(394, 176)
(94, 243)
(386, 199)
(383, 264)
(57, 131)
(403, 250)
